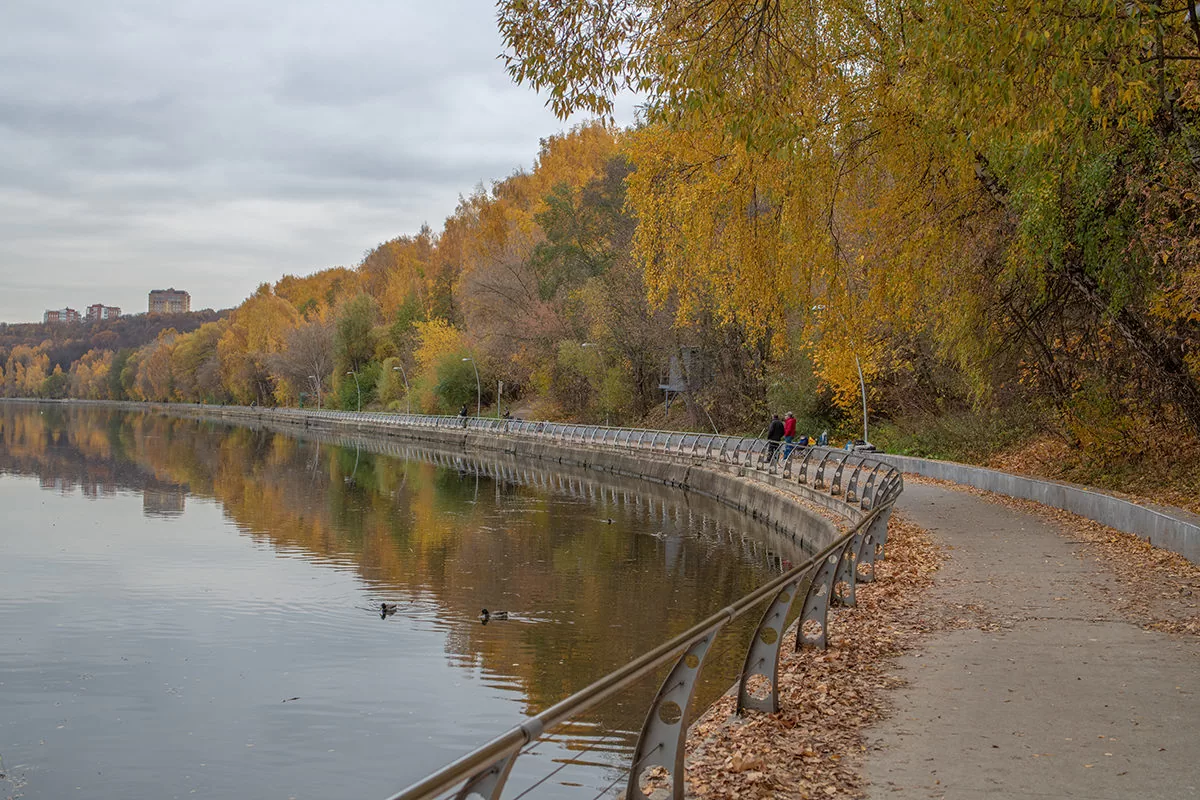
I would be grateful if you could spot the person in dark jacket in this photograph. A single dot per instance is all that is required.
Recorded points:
(774, 436)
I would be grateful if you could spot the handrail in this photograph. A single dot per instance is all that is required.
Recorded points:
(508, 742)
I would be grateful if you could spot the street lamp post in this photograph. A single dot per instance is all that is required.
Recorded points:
(357, 388)
(862, 385)
(584, 346)
(407, 397)
(478, 389)
(317, 380)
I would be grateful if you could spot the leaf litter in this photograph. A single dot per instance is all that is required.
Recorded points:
(812, 748)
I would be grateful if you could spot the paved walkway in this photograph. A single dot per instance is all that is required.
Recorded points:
(1057, 695)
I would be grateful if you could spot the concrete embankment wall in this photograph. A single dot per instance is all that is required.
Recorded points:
(1163, 530)
(766, 498)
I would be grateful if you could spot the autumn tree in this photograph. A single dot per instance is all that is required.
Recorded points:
(256, 330)
(196, 365)
(306, 362)
(89, 376)
(316, 295)
(969, 173)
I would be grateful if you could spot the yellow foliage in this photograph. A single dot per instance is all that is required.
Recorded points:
(436, 339)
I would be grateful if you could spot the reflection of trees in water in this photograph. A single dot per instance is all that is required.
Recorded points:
(597, 594)
(65, 455)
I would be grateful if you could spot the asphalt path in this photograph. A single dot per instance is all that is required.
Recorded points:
(1044, 690)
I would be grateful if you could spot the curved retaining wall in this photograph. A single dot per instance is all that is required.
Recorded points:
(1162, 530)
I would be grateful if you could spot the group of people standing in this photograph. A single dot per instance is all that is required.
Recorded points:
(784, 431)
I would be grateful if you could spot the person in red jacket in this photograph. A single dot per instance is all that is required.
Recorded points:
(789, 433)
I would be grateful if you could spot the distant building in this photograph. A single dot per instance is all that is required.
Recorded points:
(100, 311)
(61, 315)
(170, 301)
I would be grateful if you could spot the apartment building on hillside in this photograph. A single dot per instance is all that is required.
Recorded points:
(170, 301)
(99, 311)
(61, 315)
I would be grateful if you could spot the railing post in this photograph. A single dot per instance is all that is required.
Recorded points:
(819, 480)
(852, 490)
(843, 581)
(489, 781)
(882, 532)
(813, 628)
(762, 658)
(836, 486)
(665, 732)
(868, 493)
(870, 548)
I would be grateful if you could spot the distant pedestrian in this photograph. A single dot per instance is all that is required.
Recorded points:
(462, 412)
(789, 433)
(774, 435)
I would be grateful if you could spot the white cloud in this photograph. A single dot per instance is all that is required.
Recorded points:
(216, 145)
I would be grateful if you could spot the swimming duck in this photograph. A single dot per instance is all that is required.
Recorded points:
(387, 609)
(486, 615)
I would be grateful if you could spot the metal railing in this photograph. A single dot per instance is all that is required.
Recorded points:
(866, 489)
(852, 477)
(857, 480)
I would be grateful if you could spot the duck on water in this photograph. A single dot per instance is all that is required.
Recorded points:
(485, 615)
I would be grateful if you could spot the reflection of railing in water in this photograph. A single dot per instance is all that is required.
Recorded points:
(715, 523)
(863, 487)
(820, 468)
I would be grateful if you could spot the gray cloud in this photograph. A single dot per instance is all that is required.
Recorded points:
(216, 145)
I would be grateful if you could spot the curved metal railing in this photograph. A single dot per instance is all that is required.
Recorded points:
(867, 488)
(858, 480)
(855, 478)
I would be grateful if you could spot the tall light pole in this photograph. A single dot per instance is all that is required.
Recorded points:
(478, 389)
(862, 385)
(407, 397)
(584, 346)
(317, 381)
(357, 388)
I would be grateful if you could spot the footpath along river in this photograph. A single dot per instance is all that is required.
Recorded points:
(194, 608)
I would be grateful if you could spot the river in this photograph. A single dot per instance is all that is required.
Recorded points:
(193, 609)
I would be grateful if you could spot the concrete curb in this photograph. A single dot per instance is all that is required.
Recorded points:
(1162, 530)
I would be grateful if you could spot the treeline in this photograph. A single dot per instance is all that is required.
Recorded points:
(533, 283)
(974, 207)
(996, 204)
(38, 359)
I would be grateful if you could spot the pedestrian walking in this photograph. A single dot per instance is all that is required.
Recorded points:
(789, 434)
(774, 435)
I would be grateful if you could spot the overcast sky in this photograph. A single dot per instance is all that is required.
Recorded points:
(213, 145)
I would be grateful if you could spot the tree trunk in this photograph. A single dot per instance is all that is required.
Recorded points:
(1165, 364)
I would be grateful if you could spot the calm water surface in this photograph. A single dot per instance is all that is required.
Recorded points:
(189, 609)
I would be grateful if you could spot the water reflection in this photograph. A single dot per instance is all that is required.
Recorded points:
(223, 631)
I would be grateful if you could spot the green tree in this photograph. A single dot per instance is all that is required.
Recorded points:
(354, 333)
